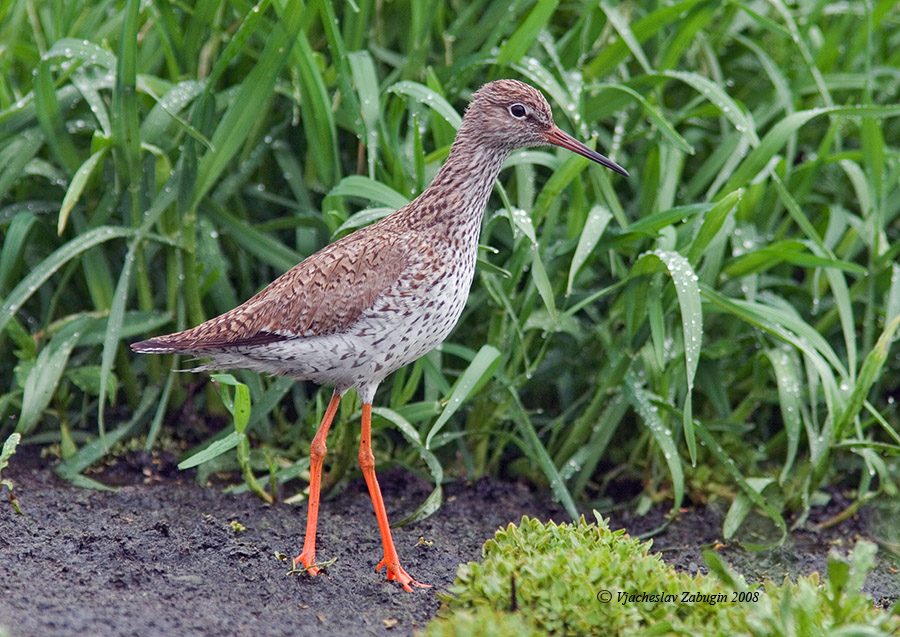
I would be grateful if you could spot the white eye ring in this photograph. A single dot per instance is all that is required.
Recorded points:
(518, 110)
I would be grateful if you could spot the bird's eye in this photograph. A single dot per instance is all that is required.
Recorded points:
(518, 111)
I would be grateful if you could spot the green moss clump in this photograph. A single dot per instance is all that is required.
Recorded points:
(484, 621)
(583, 579)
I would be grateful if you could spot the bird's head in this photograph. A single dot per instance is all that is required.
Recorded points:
(511, 114)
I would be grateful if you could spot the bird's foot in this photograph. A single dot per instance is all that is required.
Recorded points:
(308, 560)
(396, 572)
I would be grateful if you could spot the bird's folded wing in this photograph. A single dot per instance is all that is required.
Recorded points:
(324, 294)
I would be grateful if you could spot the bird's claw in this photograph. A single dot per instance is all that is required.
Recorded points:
(396, 572)
(308, 560)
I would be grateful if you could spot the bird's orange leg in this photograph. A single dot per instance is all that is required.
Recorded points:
(367, 462)
(316, 456)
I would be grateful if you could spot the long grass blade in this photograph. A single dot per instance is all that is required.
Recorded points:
(479, 372)
(642, 403)
(433, 502)
(52, 263)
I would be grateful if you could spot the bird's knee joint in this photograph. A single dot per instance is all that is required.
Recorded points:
(366, 460)
(317, 450)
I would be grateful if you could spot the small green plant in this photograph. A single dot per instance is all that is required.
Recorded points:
(809, 607)
(9, 448)
(483, 620)
(238, 406)
(583, 579)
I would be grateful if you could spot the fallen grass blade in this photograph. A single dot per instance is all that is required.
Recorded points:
(795, 252)
(214, 450)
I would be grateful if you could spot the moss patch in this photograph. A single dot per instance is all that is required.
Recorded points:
(580, 579)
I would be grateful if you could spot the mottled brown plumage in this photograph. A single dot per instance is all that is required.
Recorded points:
(324, 294)
(381, 297)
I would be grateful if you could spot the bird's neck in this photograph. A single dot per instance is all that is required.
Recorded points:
(458, 194)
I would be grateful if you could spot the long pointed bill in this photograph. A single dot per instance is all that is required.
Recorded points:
(558, 138)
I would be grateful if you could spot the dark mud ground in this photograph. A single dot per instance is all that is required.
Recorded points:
(160, 557)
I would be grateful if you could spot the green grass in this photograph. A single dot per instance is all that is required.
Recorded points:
(731, 305)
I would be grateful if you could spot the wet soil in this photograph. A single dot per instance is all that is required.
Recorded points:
(161, 555)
